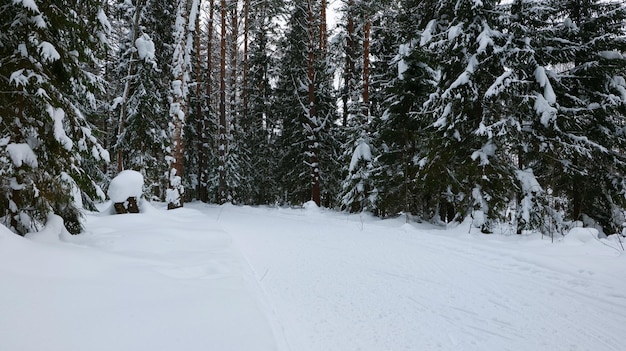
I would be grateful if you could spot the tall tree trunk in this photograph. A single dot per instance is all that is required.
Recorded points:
(222, 133)
(323, 27)
(178, 107)
(311, 114)
(132, 70)
(209, 55)
(366, 69)
(244, 83)
(108, 121)
(234, 51)
(349, 73)
(200, 125)
(208, 83)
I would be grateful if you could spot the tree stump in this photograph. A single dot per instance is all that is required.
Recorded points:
(128, 206)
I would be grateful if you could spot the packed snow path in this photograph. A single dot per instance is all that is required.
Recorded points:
(344, 283)
(229, 278)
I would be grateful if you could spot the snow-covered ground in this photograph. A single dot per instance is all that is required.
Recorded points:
(241, 278)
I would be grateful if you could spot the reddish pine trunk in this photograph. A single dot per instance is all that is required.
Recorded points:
(200, 125)
(246, 14)
(323, 27)
(234, 50)
(223, 141)
(178, 110)
(209, 55)
(204, 194)
(366, 69)
(313, 143)
(349, 74)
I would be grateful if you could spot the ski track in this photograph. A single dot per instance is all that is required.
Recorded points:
(334, 284)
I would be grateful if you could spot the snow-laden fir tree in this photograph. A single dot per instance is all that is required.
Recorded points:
(257, 122)
(45, 50)
(466, 166)
(358, 190)
(406, 82)
(582, 151)
(522, 96)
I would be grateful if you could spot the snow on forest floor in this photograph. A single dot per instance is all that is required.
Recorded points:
(241, 278)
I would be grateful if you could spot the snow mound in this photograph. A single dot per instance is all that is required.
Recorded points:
(146, 207)
(53, 231)
(311, 206)
(126, 184)
(581, 235)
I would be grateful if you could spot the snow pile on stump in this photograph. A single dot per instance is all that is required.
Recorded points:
(124, 191)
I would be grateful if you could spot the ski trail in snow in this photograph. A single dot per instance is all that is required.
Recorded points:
(253, 281)
(339, 284)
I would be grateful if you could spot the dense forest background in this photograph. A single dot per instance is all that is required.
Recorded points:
(505, 111)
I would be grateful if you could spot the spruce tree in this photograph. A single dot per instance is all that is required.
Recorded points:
(45, 52)
(405, 81)
(523, 98)
(585, 135)
(466, 165)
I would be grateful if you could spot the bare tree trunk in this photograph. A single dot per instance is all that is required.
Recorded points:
(223, 141)
(349, 74)
(203, 193)
(234, 51)
(178, 107)
(132, 70)
(366, 69)
(312, 125)
(244, 83)
(200, 125)
(323, 27)
(209, 55)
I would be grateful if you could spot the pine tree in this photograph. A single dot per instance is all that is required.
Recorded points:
(222, 137)
(358, 189)
(195, 153)
(203, 127)
(184, 26)
(46, 140)
(306, 142)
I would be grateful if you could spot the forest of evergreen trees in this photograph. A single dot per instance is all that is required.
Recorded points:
(504, 111)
